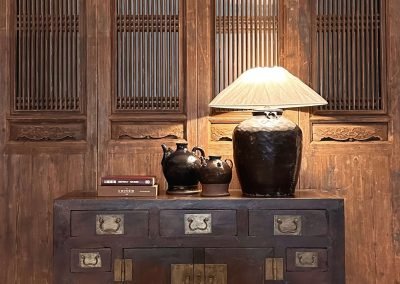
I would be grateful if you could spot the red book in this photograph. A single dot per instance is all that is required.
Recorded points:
(129, 190)
(128, 180)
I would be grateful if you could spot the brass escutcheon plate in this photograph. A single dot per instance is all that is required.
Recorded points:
(109, 224)
(307, 259)
(89, 259)
(287, 225)
(198, 224)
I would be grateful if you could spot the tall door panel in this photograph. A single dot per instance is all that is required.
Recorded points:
(48, 116)
(147, 92)
(347, 144)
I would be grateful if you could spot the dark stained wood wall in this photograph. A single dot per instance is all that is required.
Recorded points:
(359, 171)
(34, 173)
(394, 111)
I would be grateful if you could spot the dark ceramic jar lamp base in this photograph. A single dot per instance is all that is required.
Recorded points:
(266, 151)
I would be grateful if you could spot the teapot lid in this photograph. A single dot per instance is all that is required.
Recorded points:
(215, 157)
(181, 145)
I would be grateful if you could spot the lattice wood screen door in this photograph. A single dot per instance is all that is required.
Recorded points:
(348, 58)
(48, 56)
(148, 56)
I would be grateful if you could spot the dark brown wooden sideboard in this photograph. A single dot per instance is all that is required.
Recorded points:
(198, 240)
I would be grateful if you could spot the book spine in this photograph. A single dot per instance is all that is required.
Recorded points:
(135, 191)
(127, 182)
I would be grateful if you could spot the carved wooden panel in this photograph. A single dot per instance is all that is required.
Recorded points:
(348, 53)
(147, 131)
(45, 131)
(47, 55)
(350, 132)
(147, 55)
(246, 36)
(222, 132)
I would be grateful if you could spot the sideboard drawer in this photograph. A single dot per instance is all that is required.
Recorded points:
(175, 223)
(90, 260)
(306, 259)
(92, 223)
(288, 223)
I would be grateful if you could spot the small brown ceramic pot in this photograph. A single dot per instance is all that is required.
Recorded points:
(215, 176)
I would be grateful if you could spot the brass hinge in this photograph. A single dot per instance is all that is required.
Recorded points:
(274, 269)
(181, 273)
(123, 270)
(199, 273)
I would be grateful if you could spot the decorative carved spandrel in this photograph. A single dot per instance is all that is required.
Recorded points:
(350, 133)
(47, 132)
(222, 132)
(152, 131)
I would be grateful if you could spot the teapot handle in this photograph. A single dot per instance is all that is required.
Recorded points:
(229, 162)
(200, 150)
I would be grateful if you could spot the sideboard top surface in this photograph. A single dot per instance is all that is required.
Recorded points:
(302, 200)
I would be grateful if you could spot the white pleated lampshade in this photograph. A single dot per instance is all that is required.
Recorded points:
(267, 88)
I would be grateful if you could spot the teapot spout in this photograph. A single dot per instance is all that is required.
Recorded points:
(166, 152)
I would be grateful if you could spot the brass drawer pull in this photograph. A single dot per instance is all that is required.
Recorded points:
(198, 223)
(110, 224)
(110, 230)
(287, 230)
(200, 227)
(89, 260)
(287, 225)
(307, 259)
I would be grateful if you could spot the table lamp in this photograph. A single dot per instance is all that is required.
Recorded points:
(267, 146)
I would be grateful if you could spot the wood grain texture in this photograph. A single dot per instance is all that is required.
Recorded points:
(105, 84)
(191, 66)
(29, 234)
(366, 174)
(91, 86)
(361, 174)
(205, 71)
(356, 178)
(6, 231)
(393, 10)
(34, 173)
(7, 216)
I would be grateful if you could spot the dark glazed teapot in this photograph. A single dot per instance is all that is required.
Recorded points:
(215, 176)
(181, 168)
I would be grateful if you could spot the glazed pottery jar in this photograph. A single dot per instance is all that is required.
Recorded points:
(181, 168)
(215, 176)
(267, 151)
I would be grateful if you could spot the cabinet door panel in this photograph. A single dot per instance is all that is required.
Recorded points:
(153, 265)
(244, 265)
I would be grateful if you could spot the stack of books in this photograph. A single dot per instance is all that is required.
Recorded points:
(134, 185)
